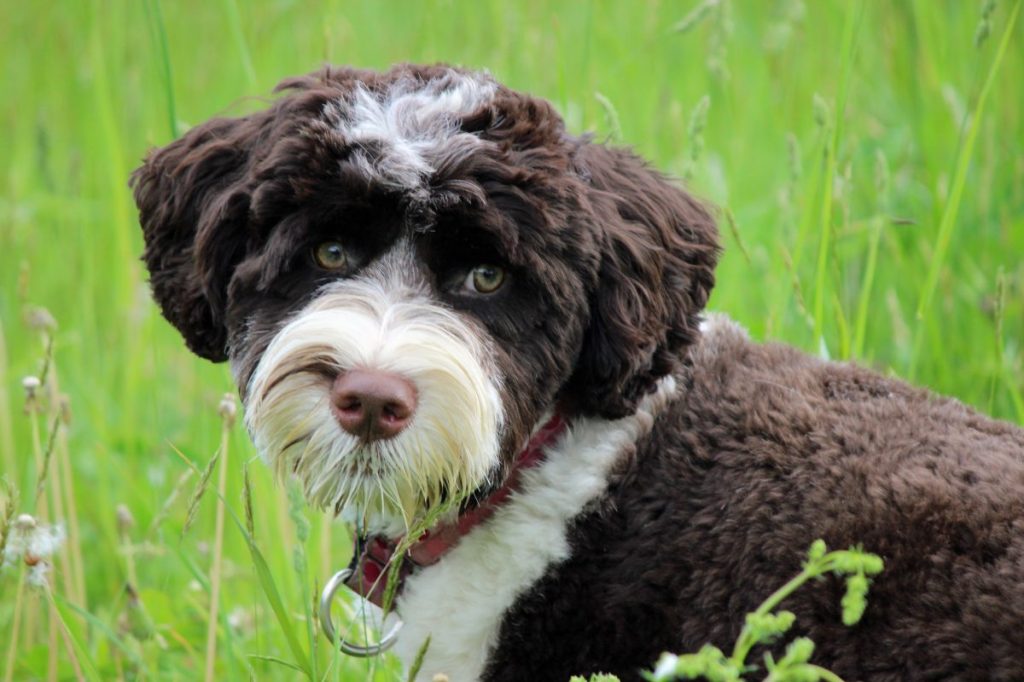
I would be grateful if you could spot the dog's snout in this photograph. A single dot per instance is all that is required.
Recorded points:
(371, 404)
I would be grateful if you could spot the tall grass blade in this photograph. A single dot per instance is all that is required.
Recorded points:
(277, 661)
(227, 411)
(6, 430)
(854, 13)
(611, 116)
(266, 579)
(949, 214)
(47, 458)
(99, 625)
(866, 286)
(156, 17)
(81, 654)
(238, 33)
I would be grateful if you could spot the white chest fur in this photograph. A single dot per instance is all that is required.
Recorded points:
(460, 601)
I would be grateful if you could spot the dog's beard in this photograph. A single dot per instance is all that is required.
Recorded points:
(384, 486)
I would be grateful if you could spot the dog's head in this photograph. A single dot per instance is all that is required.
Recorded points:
(408, 270)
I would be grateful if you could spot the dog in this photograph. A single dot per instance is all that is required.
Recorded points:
(444, 312)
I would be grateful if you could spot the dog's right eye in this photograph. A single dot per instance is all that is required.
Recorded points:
(484, 279)
(330, 255)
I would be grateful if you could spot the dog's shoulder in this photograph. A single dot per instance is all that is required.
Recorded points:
(773, 405)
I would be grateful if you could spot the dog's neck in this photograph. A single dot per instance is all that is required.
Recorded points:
(460, 602)
(373, 556)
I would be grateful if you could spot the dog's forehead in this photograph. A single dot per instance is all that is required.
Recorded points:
(400, 131)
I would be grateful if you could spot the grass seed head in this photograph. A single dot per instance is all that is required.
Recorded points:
(822, 111)
(793, 158)
(165, 510)
(40, 319)
(694, 17)
(64, 408)
(25, 523)
(228, 410)
(881, 173)
(31, 385)
(295, 511)
(10, 494)
(984, 29)
(125, 520)
(197, 494)
(250, 522)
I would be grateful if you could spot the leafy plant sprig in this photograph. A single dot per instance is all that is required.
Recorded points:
(765, 626)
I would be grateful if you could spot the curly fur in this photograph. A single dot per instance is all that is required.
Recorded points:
(659, 542)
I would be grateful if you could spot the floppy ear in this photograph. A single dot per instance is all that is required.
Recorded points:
(193, 200)
(659, 247)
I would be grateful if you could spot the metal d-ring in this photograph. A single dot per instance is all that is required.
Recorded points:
(327, 624)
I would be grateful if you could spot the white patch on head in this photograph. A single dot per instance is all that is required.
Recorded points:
(400, 133)
(460, 601)
(379, 321)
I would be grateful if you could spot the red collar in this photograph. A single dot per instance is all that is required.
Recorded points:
(372, 555)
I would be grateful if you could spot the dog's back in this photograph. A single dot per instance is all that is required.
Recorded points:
(764, 450)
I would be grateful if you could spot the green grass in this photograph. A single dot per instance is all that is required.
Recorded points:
(870, 156)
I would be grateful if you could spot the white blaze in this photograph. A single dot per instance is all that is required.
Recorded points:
(398, 134)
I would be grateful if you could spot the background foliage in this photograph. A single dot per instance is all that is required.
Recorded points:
(868, 159)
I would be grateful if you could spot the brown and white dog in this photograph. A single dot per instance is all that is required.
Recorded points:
(431, 293)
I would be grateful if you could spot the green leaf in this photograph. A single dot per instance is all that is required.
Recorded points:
(266, 579)
(766, 627)
(129, 652)
(81, 655)
(798, 651)
(278, 661)
(855, 600)
(817, 551)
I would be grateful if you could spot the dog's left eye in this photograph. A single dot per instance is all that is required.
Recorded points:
(330, 255)
(484, 279)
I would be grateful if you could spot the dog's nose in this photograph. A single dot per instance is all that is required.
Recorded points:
(372, 405)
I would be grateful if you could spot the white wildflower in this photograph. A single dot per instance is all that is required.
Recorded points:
(666, 668)
(31, 385)
(242, 620)
(32, 543)
(38, 574)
